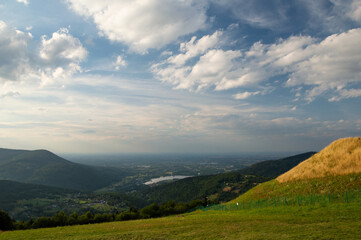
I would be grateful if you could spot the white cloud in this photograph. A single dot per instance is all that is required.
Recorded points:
(245, 95)
(333, 63)
(60, 56)
(328, 65)
(287, 121)
(346, 93)
(62, 48)
(26, 2)
(119, 62)
(14, 59)
(144, 24)
(211, 68)
(9, 94)
(355, 11)
(201, 64)
(55, 58)
(192, 49)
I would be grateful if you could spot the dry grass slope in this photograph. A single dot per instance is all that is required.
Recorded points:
(341, 157)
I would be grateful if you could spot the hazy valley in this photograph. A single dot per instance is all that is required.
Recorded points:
(40, 183)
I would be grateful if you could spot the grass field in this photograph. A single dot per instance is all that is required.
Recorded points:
(332, 221)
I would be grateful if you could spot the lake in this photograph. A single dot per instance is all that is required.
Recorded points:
(166, 178)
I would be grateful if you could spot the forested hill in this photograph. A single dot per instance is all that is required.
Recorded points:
(12, 192)
(274, 168)
(224, 186)
(46, 168)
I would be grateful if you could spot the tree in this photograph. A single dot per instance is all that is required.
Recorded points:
(43, 222)
(60, 219)
(73, 219)
(150, 211)
(6, 223)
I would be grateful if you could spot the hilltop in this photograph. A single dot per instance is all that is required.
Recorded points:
(46, 168)
(339, 158)
(336, 169)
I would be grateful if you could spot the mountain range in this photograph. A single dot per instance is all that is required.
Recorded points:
(46, 168)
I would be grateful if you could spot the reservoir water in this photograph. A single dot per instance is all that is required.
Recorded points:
(166, 178)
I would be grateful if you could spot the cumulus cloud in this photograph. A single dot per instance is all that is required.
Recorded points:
(143, 24)
(328, 65)
(201, 64)
(62, 48)
(195, 48)
(14, 59)
(56, 57)
(60, 55)
(331, 64)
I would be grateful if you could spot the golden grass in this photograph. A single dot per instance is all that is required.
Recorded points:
(339, 158)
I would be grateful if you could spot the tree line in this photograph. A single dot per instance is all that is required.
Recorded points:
(61, 219)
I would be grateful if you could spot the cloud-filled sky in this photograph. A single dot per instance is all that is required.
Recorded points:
(187, 76)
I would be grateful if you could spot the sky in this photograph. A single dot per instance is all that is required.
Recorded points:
(181, 76)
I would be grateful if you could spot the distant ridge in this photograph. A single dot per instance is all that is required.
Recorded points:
(273, 168)
(46, 168)
(341, 157)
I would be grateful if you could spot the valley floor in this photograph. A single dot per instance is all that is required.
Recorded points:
(331, 221)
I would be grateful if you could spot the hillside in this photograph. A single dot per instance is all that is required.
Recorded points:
(339, 158)
(46, 168)
(219, 187)
(224, 186)
(338, 221)
(334, 170)
(13, 192)
(25, 201)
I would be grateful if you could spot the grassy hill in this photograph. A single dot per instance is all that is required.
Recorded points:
(339, 158)
(46, 168)
(334, 170)
(224, 186)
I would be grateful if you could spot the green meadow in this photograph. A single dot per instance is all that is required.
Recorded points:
(319, 221)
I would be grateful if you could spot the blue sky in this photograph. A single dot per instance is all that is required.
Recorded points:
(186, 76)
